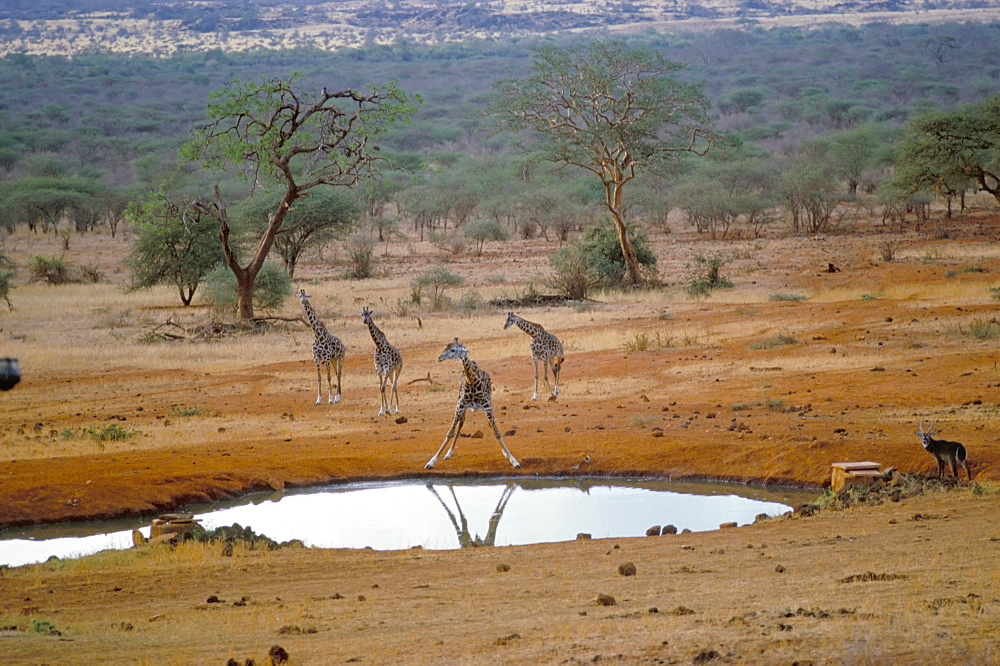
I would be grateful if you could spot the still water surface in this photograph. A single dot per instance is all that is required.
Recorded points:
(439, 514)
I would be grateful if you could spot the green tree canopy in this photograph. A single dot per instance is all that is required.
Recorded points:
(169, 249)
(611, 109)
(284, 138)
(327, 214)
(946, 151)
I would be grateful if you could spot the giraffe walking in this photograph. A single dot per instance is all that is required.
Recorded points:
(545, 347)
(476, 393)
(388, 363)
(328, 351)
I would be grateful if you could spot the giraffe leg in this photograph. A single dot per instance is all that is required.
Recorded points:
(319, 383)
(534, 360)
(329, 381)
(459, 416)
(454, 440)
(395, 393)
(496, 431)
(383, 378)
(340, 366)
(556, 367)
(545, 374)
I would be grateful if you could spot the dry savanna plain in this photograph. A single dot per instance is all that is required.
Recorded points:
(770, 381)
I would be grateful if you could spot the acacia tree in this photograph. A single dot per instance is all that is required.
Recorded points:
(610, 109)
(277, 134)
(946, 151)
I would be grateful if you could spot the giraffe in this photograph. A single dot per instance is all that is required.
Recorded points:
(545, 347)
(475, 393)
(328, 351)
(388, 363)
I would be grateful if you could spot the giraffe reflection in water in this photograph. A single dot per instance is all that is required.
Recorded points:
(465, 538)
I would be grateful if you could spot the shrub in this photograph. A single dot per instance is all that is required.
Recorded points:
(707, 275)
(91, 273)
(485, 229)
(603, 253)
(888, 249)
(778, 340)
(984, 329)
(574, 275)
(437, 279)
(270, 289)
(49, 269)
(361, 255)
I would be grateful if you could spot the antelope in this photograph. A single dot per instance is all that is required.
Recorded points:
(943, 450)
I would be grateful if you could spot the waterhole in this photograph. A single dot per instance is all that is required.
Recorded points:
(438, 514)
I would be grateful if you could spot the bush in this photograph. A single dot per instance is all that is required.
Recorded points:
(486, 229)
(574, 275)
(361, 255)
(707, 275)
(49, 269)
(603, 253)
(270, 289)
(437, 279)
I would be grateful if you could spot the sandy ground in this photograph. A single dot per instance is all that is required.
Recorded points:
(654, 384)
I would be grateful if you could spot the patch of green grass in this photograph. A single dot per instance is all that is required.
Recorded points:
(984, 329)
(787, 297)
(43, 627)
(109, 433)
(188, 411)
(995, 292)
(967, 269)
(872, 296)
(779, 340)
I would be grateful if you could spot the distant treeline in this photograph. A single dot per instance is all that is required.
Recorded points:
(118, 120)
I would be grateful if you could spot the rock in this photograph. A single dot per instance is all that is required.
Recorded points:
(653, 531)
(627, 569)
(503, 567)
(401, 420)
(605, 600)
(668, 529)
(277, 655)
(779, 569)
(726, 526)
(583, 536)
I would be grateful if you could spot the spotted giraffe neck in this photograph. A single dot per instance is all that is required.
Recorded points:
(377, 335)
(470, 369)
(529, 327)
(314, 320)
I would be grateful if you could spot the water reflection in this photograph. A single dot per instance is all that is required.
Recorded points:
(465, 540)
(438, 514)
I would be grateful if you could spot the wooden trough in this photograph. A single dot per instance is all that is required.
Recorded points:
(849, 474)
(168, 527)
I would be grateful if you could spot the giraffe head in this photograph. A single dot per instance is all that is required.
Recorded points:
(366, 315)
(303, 296)
(511, 320)
(454, 349)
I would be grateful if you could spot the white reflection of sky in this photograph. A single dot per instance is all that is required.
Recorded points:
(398, 516)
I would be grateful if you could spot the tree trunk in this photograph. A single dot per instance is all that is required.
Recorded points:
(246, 276)
(244, 294)
(613, 195)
